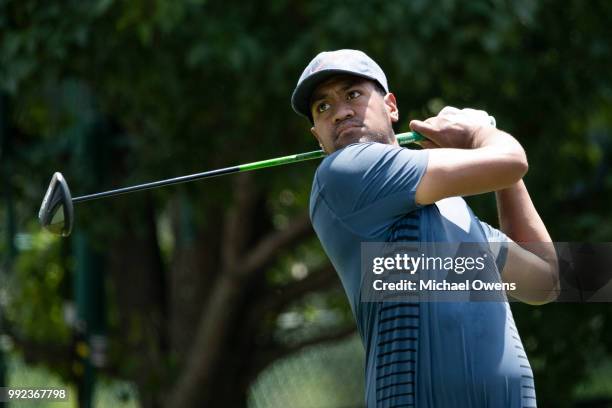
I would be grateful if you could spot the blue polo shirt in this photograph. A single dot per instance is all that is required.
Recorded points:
(418, 354)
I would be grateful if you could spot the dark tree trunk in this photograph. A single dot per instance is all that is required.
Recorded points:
(192, 270)
(204, 346)
(139, 286)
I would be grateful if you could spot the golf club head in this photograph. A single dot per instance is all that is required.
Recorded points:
(56, 212)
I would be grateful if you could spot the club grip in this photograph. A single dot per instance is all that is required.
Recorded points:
(409, 137)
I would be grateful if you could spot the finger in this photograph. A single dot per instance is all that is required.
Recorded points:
(476, 112)
(449, 110)
(425, 128)
(479, 115)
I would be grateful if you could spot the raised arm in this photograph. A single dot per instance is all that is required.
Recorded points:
(467, 157)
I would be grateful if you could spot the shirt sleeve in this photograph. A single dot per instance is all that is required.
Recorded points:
(498, 242)
(369, 186)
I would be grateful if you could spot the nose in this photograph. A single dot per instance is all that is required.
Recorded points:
(343, 111)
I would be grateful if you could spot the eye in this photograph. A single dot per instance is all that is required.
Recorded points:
(322, 107)
(353, 94)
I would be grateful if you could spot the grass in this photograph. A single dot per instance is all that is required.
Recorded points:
(108, 393)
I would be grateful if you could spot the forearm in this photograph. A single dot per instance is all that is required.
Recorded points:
(490, 160)
(538, 280)
(519, 220)
(491, 138)
(518, 217)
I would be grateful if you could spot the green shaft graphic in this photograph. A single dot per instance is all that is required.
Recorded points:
(402, 139)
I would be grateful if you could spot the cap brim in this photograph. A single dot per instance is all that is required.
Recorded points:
(300, 100)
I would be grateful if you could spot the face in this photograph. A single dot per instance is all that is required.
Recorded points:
(348, 109)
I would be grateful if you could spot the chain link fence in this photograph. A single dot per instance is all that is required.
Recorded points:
(321, 376)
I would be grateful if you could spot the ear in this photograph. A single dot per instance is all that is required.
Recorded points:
(316, 135)
(391, 106)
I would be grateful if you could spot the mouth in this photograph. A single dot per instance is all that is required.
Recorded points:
(344, 128)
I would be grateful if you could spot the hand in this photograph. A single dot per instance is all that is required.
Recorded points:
(454, 128)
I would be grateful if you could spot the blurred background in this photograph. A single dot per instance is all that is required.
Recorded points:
(217, 293)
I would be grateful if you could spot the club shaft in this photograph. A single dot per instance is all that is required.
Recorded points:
(402, 138)
(154, 184)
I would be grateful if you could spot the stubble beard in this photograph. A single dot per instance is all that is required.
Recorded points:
(386, 136)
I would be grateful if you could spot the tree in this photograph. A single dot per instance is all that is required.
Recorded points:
(199, 274)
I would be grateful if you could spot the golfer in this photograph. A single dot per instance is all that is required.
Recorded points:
(369, 189)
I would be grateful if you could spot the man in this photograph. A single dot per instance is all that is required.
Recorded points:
(368, 189)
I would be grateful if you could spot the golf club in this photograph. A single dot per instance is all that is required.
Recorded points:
(57, 214)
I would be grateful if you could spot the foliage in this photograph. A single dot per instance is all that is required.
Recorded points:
(113, 93)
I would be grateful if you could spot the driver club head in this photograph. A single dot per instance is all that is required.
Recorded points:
(56, 212)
